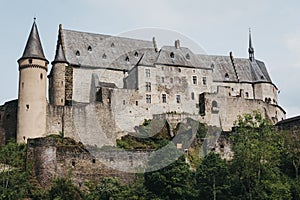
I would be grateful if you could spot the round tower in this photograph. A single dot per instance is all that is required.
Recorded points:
(57, 75)
(32, 103)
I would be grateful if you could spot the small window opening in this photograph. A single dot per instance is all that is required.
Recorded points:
(136, 103)
(188, 56)
(172, 55)
(0, 117)
(27, 106)
(61, 100)
(41, 76)
(193, 96)
(111, 159)
(171, 80)
(22, 84)
(227, 76)
(112, 45)
(148, 98)
(94, 161)
(214, 104)
(262, 77)
(136, 54)
(162, 79)
(73, 163)
(164, 98)
(247, 94)
(195, 80)
(77, 53)
(162, 68)
(89, 48)
(127, 59)
(178, 99)
(179, 70)
(30, 61)
(204, 80)
(62, 83)
(7, 116)
(124, 102)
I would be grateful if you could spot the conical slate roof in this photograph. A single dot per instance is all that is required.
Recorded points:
(59, 56)
(34, 47)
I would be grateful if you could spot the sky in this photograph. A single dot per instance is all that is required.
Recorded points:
(217, 26)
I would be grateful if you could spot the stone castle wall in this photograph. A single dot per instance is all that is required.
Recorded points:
(51, 159)
(8, 121)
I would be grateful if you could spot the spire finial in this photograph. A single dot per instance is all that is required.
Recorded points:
(250, 49)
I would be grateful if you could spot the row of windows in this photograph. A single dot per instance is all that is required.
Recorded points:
(163, 97)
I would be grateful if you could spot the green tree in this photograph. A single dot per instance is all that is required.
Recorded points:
(13, 174)
(64, 189)
(172, 182)
(255, 168)
(213, 178)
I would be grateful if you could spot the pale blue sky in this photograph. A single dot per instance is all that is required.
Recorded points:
(218, 26)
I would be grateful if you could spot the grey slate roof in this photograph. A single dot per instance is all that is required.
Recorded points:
(33, 48)
(59, 55)
(88, 50)
(102, 51)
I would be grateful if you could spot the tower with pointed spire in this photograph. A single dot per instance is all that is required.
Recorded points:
(57, 75)
(32, 103)
(250, 49)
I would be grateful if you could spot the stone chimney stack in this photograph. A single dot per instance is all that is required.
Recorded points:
(155, 44)
(177, 44)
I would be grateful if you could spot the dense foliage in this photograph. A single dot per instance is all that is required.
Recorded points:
(265, 165)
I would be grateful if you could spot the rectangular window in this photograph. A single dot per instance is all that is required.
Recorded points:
(178, 98)
(147, 73)
(148, 98)
(195, 80)
(148, 86)
(204, 80)
(164, 98)
(162, 79)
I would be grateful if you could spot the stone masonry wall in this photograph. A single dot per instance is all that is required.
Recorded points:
(51, 159)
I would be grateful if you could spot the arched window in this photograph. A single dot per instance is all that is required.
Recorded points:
(127, 59)
(136, 54)
(77, 53)
(214, 104)
(89, 48)
(227, 76)
(172, 55)
(187, 56)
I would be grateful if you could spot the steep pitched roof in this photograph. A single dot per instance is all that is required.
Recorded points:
(60, 55)
(33, 48)
(102, 51)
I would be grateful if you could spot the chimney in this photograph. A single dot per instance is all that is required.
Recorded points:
(155, 44)
(177, 44)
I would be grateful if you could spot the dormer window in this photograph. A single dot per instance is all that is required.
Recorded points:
(172, 55)
(226, 76)
(188, 56)
(136, 54)
(89, 48)
(77, 53)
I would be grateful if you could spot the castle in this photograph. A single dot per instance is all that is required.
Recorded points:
(101, 87)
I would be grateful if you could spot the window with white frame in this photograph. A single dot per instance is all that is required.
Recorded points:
(148, 98)
(147, 73)
(148, 86)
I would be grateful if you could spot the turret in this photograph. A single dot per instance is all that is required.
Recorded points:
(32, 103)
(250, 49)
(57, 75)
